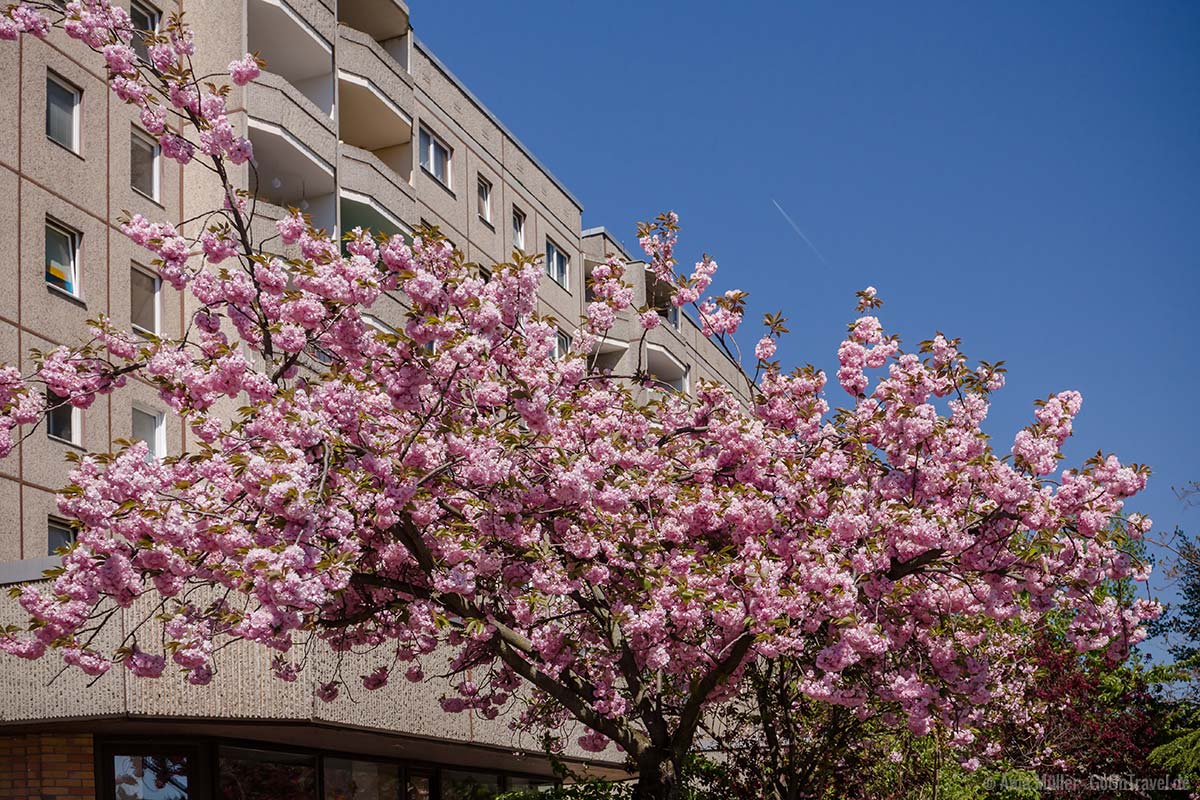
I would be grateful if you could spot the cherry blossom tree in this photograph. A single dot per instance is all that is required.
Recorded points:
(585, 547)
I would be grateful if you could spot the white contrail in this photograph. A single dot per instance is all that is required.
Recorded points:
(796, 228)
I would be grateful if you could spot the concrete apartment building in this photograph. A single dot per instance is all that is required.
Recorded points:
(358, 123)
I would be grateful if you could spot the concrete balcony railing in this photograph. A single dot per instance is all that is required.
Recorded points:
(361, 174)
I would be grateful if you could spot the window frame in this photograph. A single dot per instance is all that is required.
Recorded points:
(138, 329)
(155, 165)
(205, 754)
(58, 522)
(199, 753)
(519, 229)
(151, 13)
(563, 260)
(76, 439)
(562, 344)
(484, 198)
(75, 239)
(426, 159)
(76, 111)
(159, 445)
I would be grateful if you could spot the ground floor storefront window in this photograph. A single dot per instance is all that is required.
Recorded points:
(215, 770)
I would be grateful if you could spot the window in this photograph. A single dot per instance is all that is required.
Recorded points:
(562, 344)
(62, 419)
(361, 780)
(485, 200)
(556, 263)
(463, 785)
(145, 22)
(152, 771)
(264, 774)
(420, 785)
(59, 535)
(435, 157)
(143, 164)
(150, 427)
(62, 112)
(62, 257)
(518, 229)
(143, 301)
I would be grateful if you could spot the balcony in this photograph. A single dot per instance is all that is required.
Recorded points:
(293, 46)
(361, 174)
(607, 354)
(385, 21)
(374, 98)
(294, 150)
(364, 211)
(658, 297)
(666, 371)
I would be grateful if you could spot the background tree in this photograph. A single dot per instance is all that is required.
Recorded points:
(582, 547)
(1178, 750)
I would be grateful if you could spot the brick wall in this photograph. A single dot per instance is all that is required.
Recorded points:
(47, 767)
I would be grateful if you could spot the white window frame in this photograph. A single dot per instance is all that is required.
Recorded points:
(519, 229)
(150, 12)
(157, 302)
(76, 425)
(427, 160)
(155, 165)
(77, 93)
(59, 522)
(159, 444)
(563, 261)
(562, 344)
(74, 237)
(378, 324)
(484, 190)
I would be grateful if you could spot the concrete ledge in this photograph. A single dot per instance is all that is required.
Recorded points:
(26, 570)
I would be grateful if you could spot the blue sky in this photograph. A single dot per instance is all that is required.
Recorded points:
(1022, 175)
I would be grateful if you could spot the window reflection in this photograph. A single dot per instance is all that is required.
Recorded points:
(419, 787)
(150, 777)
(347, 779)
(460, 785)
(266, 775)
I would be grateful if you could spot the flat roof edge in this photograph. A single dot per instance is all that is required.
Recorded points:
(420, 45)
(600, 230)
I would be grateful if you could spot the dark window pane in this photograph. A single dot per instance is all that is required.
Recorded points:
(418, 787)
(60, 113)
(425, 162)
(143, 301)
(143, 163)
(151, 777)
(145, 20)
(58, 535)
(346, 779)
(266, 775)
(60, 418)
(457, 785)
(145, 429)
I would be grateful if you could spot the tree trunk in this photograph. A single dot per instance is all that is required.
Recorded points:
(658, 778)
